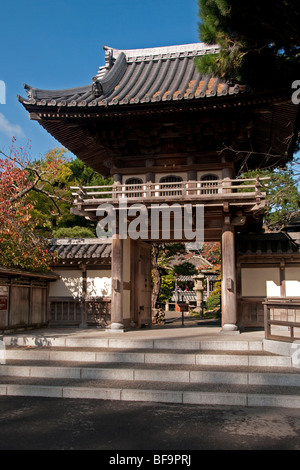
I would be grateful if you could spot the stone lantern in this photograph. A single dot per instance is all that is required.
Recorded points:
(198, 288)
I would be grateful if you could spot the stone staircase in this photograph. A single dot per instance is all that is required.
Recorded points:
(189, 371)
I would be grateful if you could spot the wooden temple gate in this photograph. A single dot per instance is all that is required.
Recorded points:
(167, 134)
(131, 266)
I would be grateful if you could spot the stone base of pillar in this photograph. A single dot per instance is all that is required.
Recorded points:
(116, 328)
(230, 328)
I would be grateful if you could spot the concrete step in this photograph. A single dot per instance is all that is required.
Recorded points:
(153, 373)
(196, 370)
(65, 341)
(201, 394)
(142, 356)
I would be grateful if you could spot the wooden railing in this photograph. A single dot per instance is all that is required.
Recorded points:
(65, 311)
(284, 314)
(174, 190)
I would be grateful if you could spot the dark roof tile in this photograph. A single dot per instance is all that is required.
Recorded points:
(91, 250)
(139, 76)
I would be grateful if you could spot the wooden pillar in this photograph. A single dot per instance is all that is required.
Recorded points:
(117, 283)
(83, 297)
(117, 178)
(227, 173)
(229, 298)
(150, 176)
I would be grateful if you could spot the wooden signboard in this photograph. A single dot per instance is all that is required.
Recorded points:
(3, 305)
(182, 307)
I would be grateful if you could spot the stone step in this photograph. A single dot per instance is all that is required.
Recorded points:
(190, 370)
(191, 357)
(201, 394)
(66, 341)
(135, 373)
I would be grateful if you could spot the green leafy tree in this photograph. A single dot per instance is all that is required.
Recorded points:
(167, 286)
(184, 269)
(46, 211)
(165, 274)
(162, 254)
(282, 195)
(56, 220)
(259, 40)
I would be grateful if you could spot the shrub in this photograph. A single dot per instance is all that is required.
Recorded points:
(214, 299)
(73, 232)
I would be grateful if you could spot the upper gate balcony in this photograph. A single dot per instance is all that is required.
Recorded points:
(226, 195)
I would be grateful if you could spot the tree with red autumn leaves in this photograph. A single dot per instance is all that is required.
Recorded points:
(19, 178)
(211, 251)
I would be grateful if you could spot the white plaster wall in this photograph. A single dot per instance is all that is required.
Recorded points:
(292, 282)
(99, 283)
(260, 282)
(70, 284)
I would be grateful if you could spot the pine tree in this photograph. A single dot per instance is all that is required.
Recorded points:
(259, 41)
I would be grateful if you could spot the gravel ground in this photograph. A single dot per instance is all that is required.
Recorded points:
(56, 424)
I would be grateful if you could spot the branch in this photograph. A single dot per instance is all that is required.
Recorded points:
(266, 154)
(33, 186)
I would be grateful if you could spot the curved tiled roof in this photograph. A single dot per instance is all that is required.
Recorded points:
(119, 118)
(88, 250)
(140, 76)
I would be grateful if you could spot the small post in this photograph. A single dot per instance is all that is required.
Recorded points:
(266, 321)
(258, 186)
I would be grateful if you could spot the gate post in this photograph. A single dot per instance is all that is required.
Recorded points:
(117, 283)
(229, 303)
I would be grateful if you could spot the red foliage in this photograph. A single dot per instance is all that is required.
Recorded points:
(18, 245)
(212, 252)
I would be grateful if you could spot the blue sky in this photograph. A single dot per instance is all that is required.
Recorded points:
(55, 44)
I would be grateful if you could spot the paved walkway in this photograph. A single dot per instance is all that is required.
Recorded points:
(173, 329)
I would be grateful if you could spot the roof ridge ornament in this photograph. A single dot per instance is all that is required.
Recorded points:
(160, 52)
(108, 58)
(112, 77)
(97, 88)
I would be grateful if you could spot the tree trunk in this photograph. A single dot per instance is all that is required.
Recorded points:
(156, 274)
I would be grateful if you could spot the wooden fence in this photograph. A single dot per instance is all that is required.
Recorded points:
(23, 300)
(74, 312)
(284, 316)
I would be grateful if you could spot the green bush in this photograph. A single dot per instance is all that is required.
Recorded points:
(214, 299)
(73, 232)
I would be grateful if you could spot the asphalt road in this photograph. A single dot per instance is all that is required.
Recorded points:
(29, 423)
